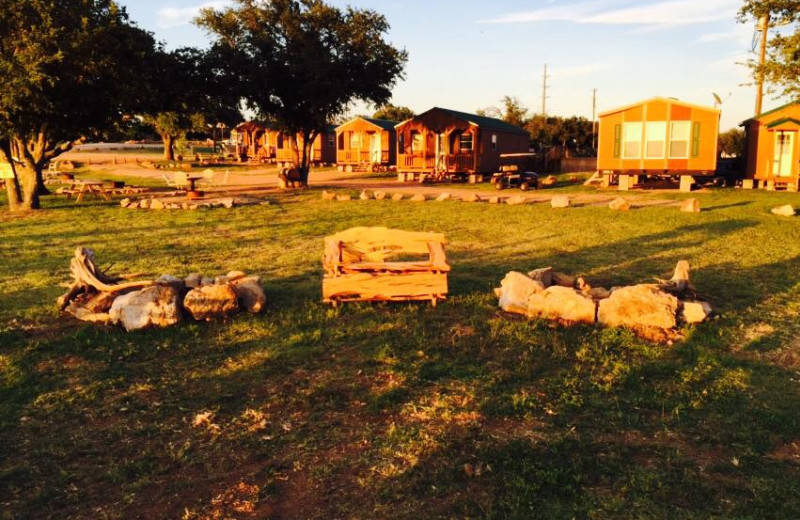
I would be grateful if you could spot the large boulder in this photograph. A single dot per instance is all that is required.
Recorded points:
(211, 302)
(443, 197)
(250, 294)
(543, 275)
(515, 291)
(619, 204)
(639, 307)
(562, 303)
(156, 306)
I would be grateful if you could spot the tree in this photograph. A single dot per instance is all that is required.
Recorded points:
(732, 143)
(514, 112)
(781, 70)
(300, 63)
(70, 68)
(390, 112)
(186, 94)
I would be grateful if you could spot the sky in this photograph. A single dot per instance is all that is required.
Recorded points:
(468, 54)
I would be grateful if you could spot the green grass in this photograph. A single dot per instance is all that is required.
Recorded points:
(404, 411)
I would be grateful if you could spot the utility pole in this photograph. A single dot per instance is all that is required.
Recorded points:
(763, 25)
(594, 118)
(544, 91)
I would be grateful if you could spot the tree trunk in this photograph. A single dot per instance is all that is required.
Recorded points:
(169, 147)
(41, 189)
(26, 173)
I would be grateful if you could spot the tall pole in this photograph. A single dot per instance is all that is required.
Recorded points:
(594, 117)
(544, 91)
(764, 26)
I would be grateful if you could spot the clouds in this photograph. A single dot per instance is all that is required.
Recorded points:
(653, 14)
(169, 17)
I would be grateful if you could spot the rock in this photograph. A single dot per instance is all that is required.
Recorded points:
(494, 200)
(156, 204)
(219, 280)
(194, 280)
(443, 197)
(543, 275)
(548, 181)
(173, 281)
(472, 197)
(134, 205)
(206, 281)
(560, 201)
(145, 203)
(364, 195)
(562, 303)
(784, 211)
(211, 302)
(228, 203)
(563, 280)
(125, 202)
(184, 205)
(380, 195)
(515, 291)
(328, 195)
(695, 312)
(620, 204)
(250, 296)
(343, 198)
(397, 196)
(247, 279)
(639, 307)
(516, 200)
(232, 276)
(156, 306)
(690, 206)
(419, 197)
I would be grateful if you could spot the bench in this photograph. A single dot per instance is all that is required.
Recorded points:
(381, 264)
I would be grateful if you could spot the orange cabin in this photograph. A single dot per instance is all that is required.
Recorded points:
(446, 141)
(660, 136)
(772, 153)
(256, 141)
(366, 141)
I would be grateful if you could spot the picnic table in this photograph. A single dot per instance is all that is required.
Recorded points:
(82, 187)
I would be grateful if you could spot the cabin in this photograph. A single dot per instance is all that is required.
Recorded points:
(259, 144)
(442, 143)
(772, 149)
(323, 149)
(657, 137)
(366, 144)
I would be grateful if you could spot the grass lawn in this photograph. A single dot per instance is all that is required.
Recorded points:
(403, 411)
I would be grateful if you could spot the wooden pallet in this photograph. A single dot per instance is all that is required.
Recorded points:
(358, 266)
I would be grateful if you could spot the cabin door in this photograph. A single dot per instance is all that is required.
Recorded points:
(375, 148)
(784, 154)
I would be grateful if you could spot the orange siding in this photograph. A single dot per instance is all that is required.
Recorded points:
(703, 133)
(761, 140)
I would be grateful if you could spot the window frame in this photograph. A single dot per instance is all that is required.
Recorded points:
(648, 129)
(688, 132)
(639, 141)
(461, 141)
(494, 142)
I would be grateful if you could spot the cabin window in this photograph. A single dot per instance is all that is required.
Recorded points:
(679, 139)
(695, 139)
(655, 146)
(355, 141)
(341, 141)
(494, 142)
(401, 142)
(416, 142)
(632, 140)
(465, 142)
(331, 140)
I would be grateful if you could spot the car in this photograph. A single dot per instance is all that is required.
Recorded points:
(513, 174)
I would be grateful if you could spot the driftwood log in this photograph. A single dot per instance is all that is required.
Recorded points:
(88, 279)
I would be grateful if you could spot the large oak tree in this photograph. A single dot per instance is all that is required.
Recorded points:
(299, 63)
(70, 68)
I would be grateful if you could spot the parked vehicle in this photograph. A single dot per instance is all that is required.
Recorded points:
(514, 174)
